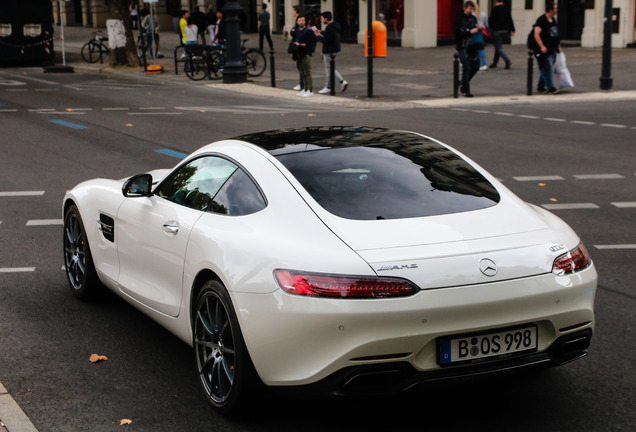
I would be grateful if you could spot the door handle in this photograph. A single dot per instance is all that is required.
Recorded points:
(171, 228)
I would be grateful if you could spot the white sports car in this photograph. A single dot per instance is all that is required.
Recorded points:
(342, 260)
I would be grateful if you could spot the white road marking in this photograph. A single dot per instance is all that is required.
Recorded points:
(581, 122)
(539, 178)
(16, 269)
(625, 204)
(611, 125)
(21, 193)
(616, 246)
(554, 119)
(598, 176)
(571, 206)
(532, 117)
(154, 113)
(41, 222)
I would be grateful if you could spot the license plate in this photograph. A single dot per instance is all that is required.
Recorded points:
(494, 345)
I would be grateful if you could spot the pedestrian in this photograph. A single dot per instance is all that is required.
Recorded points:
(263, 30)
(210, 18)
(305, 41)
(219, 28)
(330, 38)
(191, 33)
(133, 7)
(292, 33)
(546, 35)
(200, 21)
(150, 25)
(501, 27)
(464, 27)
(183, 23)
(482, 19)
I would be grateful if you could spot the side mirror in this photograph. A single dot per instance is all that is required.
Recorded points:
(138, 186)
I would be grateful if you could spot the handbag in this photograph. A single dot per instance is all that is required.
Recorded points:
(476, 40)
(563, 77)
(292, 48)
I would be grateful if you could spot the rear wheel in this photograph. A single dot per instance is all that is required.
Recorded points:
(223, 363)
(255, 62)
(215, 65)
(78, 263)
(90, 52)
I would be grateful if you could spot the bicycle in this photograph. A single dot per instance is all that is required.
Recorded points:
(196, 62)
(95, 48)
(208, 61)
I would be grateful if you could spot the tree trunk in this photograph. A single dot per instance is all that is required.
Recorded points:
(121, 41)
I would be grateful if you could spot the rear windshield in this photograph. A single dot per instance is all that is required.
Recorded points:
(390, 181)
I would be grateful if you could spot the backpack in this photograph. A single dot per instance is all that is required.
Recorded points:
(531, 43)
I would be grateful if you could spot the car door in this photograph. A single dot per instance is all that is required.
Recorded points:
(154, 231)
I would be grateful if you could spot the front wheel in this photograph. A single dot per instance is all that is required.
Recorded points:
(195, 68)
(255, 62)
(90, 52)
(78, 262)
(223, 363)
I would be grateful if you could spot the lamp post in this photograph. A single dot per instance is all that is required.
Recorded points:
(606, 78)
(234, 70)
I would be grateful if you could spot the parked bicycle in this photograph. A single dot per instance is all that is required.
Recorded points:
(95, 48)
(203, 61)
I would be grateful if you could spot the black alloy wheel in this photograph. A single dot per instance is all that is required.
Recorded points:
(78, 263)
(223, 364)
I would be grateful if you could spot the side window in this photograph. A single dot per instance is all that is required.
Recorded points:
(239, 196)
(197, 182)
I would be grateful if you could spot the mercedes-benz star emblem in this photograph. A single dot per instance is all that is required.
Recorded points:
(488, 267)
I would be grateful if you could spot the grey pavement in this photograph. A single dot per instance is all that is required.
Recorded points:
(407, 77)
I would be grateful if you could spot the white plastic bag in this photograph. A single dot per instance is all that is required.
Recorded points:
(561, 72)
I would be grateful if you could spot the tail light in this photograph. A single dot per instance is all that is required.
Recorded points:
(575, 260)
(322, 285)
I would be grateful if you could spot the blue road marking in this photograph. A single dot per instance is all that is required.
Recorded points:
(68, 124)
(172, 153)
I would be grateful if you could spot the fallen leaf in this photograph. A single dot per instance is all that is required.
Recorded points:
(97, 358)
(553, 199)
(124, 422)
(542, 184)
(311, 115)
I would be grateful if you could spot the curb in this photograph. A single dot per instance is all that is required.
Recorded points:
(12, 418)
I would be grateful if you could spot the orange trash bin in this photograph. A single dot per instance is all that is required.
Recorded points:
(379, 39)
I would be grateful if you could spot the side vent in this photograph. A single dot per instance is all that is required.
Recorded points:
(107, 227)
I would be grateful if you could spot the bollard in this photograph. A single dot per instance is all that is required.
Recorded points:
(272, 68)
(456, 75)
(332, 74)
(530, 65)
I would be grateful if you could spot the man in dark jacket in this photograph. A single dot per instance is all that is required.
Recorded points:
(464, 27)
(330, 38)
(546, 34)
(305, 41)
(501, 26)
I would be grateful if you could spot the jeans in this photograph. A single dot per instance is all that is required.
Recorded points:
(326, 59)
(497, 38)
(304, 66)
(469, 59)
(546, 64)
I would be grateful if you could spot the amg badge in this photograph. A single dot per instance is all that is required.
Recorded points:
(396, 267)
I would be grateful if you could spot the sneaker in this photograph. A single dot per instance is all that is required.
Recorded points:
(325, 90)
(492, 66)
(483, 68)
(542, 91)
(553, 91)
(343, 85)
(296, 87)
(508, 65)
(308, 93)
(468, 94)
(301, 93)
(159, 55)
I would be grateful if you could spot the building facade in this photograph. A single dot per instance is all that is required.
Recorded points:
(410, 23)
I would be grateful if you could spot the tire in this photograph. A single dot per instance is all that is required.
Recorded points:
(255, 62)
(91, 51)
(215, 66)
(195, 68)
(78, 262)
(223, 363)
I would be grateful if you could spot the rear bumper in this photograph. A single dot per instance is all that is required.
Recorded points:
(396, 377)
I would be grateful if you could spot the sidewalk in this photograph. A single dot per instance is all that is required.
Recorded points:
(407, 76)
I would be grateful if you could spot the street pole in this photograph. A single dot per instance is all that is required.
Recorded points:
(606, 78)
(369, 48)
(234, 71)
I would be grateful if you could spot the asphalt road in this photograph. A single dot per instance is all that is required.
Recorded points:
(576, 158)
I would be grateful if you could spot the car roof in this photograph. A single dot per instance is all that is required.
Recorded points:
(293, 140)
